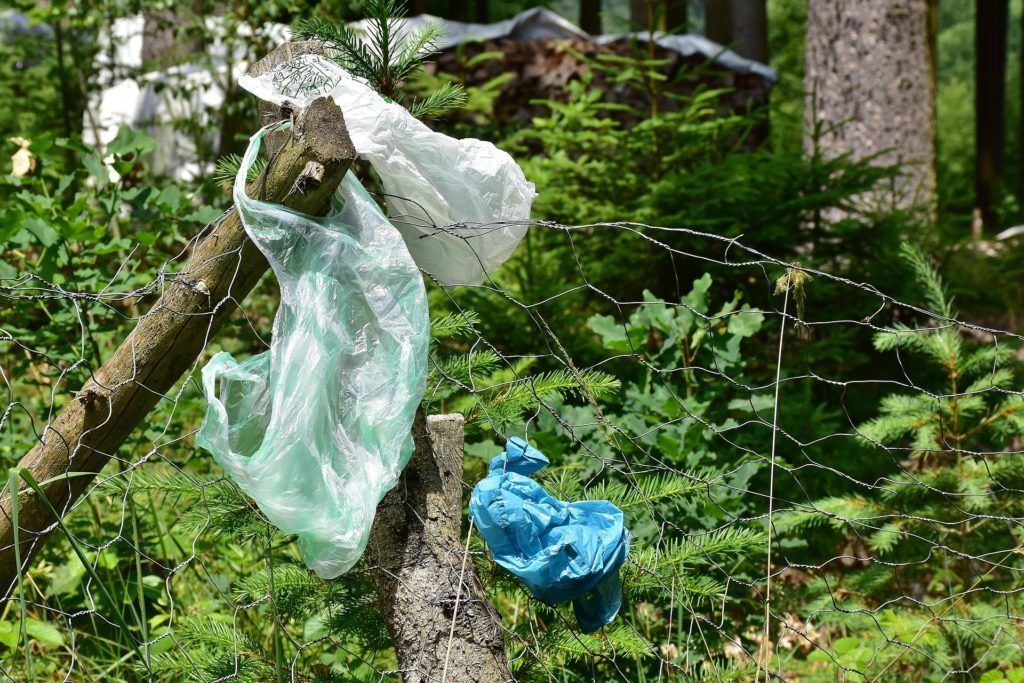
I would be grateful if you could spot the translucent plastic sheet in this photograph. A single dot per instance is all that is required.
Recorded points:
(318, 428)
(561, 551)
(469, 188)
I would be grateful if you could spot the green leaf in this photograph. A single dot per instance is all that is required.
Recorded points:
(169, 199)
(746, 323)
(613, 334)
(204, 215)
(44, 632)
(9, 634)
(94, 165)
(67, 578)
(992, 676)
(128, 141)
(42, 231)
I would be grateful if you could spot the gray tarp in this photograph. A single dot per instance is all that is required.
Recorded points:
(540, 23)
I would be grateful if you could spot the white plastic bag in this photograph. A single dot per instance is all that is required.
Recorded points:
(456, 202)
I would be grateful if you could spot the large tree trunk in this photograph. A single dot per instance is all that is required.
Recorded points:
(482, 11)
(639, 19)
(458, 10)
(676, 16)
(718, 21)
(435, 606)
(750, 29)
(223, 268)
(870, 68)
(168, 35)
(989, 100)
(590, 16)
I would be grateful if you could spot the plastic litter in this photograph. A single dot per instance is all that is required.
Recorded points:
(561, 551)
(452, 200)
(318, 428)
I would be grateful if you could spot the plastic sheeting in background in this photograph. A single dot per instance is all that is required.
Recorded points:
(456, 202)
(561, 551)
(158, 101)
(318, 428)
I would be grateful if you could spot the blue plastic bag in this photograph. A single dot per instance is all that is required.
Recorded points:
(561, 551)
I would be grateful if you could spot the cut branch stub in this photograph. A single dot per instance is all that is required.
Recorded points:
(221, 270)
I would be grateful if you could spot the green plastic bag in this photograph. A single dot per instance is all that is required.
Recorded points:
(318, 428)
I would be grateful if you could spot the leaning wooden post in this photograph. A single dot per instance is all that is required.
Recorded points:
(222, 269)
(442, 624)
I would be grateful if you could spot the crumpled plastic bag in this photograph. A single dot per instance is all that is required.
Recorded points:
(452, 200)
(561, 551)
(318, 428)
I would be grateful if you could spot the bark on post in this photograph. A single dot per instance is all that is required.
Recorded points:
(417, 555)
(870, 69)
(223, 267)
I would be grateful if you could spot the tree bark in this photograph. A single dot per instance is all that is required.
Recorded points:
(718, 21)
(750, 29)
(166, 36)
(871, 72)
(223, 267)
(417, 557)
(590, 16)
(638, 18)
(676, 16)
(482, 11)
(991, 20)
(458, 10)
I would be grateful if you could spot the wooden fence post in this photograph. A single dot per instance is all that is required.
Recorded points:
(443, 626)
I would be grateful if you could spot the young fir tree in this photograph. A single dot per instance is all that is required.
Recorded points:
(941, 528)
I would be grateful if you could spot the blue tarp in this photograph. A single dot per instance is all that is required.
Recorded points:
(561, 551)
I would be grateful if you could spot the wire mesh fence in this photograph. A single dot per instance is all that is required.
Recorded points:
(811, 497)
